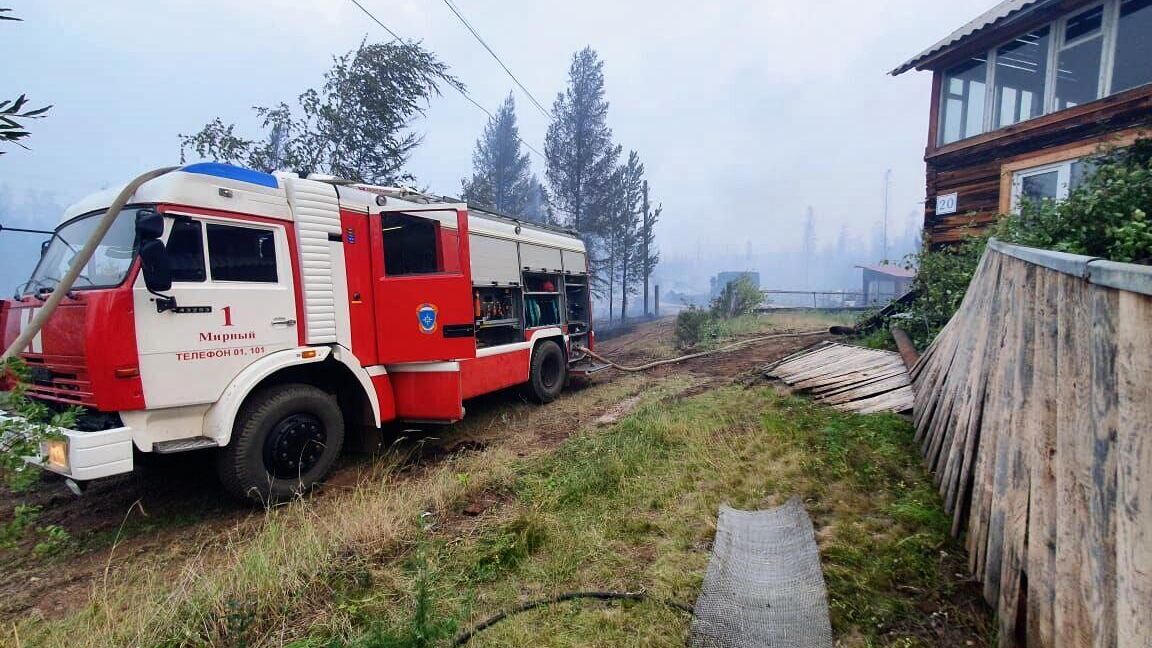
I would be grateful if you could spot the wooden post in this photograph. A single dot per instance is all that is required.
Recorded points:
(905, 346)
(656, 302)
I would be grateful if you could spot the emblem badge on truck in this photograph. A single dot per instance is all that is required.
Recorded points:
(426, 314)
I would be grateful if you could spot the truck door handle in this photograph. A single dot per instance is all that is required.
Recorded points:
(283, 321)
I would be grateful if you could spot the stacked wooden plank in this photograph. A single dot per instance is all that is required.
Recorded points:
(1034, 412)
(851, 378)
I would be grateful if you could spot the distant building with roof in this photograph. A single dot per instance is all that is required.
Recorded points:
(883, 283)
(1021, 95)
(721, 280)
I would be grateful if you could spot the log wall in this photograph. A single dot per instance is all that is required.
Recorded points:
(976, 168)
(1034, 412)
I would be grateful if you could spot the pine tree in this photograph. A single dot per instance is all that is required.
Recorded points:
(649, 256)
(501, 177)
(537, 209)
(580, 155)
(626, 225)
(608, 264)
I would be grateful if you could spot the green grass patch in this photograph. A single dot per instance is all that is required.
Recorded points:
(627, 507)
(632, 508)
(881, 339)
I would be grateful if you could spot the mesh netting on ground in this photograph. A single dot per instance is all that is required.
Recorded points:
(763, 586)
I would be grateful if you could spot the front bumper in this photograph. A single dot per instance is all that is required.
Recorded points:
(86, 455)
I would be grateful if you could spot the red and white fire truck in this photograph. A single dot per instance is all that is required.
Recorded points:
(274, 314)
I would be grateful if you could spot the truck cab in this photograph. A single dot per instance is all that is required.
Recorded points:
(264, 315)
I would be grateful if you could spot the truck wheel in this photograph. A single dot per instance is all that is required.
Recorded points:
(548, 374)
(284, 440)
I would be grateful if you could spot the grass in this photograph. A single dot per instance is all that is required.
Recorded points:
(811, 319)
(745, 326)
(716, 332)
(881, 338)
(629, 507)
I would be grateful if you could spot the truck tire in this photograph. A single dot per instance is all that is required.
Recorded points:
(548, 374)
(285, 439)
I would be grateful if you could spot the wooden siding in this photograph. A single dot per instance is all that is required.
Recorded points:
(973, 168)
(1033, 409)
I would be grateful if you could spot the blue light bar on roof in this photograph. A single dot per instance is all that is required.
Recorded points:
(232, 173)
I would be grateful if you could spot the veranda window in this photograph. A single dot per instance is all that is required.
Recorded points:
(963, 101)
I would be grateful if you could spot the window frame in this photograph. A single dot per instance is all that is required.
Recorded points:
(1063, 180)
(448, 259)
(946, 94)
(177, 219)
(280, 239)
(1111, 42)
(994, 102)
(242, 225)
(1109, 27)
(1062, 43)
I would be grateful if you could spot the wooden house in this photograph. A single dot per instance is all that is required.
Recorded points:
(1021, 95)
(883, 283)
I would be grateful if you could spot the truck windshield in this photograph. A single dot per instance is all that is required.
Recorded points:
(108, 265)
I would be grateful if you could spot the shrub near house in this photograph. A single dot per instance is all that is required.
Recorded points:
(1106, 216)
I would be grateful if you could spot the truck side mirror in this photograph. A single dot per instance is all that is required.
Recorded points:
(149, 224)
(154, 265)
(44, 247)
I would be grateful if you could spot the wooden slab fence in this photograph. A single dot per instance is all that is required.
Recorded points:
(1033, 409)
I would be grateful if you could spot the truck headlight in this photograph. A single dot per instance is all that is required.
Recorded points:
(57, 452)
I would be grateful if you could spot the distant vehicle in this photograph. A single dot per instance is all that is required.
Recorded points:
(271, 313)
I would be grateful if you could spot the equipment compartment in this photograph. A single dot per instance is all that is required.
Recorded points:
(497, 312)
(541, 300)
(576, 299)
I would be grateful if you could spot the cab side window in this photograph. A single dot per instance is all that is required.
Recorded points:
(186, 250)
(241, 253)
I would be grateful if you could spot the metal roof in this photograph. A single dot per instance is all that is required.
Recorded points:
(998, 15)
(890, 270)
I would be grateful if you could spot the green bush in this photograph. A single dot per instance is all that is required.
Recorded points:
(942, 278)
(695, 325)
(1106, 216)
(739, 297)
(691, 325)
(21, 437)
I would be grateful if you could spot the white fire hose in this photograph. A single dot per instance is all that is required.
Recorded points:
(80, 260)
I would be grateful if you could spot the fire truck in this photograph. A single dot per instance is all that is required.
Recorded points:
(267, 316)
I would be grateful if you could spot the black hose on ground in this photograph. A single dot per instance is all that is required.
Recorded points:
(466, 636)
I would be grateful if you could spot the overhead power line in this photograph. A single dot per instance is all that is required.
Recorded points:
(480, 39)
(463, 92)
(376, 20)
(493, 118)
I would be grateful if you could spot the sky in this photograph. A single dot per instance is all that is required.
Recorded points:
(745, 113)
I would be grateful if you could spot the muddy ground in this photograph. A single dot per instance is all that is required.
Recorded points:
(173, 510)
